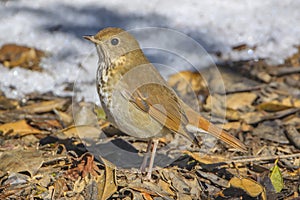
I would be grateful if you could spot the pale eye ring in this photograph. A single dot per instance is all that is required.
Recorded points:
(114, 41)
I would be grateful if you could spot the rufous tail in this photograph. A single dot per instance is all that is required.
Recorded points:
(196, 120)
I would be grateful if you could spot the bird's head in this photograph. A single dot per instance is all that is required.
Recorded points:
(111, 43)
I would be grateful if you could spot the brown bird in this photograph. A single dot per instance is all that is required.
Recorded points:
(138, 101)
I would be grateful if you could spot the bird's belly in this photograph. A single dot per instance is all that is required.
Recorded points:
(135, 122)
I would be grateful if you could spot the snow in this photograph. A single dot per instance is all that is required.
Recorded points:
(57, 27)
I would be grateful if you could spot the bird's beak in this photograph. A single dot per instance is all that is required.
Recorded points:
(91, 38)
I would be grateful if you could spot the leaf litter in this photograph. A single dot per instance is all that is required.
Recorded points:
(45, 156)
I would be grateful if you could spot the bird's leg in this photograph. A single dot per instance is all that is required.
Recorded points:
(155, 144)
(146, 156)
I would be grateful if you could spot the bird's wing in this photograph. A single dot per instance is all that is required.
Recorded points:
(162, 105)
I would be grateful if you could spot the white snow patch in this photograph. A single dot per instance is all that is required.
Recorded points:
(57, 26)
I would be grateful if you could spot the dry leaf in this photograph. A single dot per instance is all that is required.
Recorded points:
(59, 188)
(237, 126)
(292, 102)
(130, 194)
(263, 76)
(80, 184)
(240, 101)
(12, 55)
(206, 159)
(148, 187)
(250, 186)
(84, 165)
(87, 133)
(7, 104)
(276, 105)
(233, 115)
(176, 179)
(215, 104)
(183, 196)
(213, 178)
(65, 118)
(145, 187)
(147, 196)
(21, 161)
(46, 124)
(253, 117)
(194, 185)
(107, 182)
(44, 106)
(272, 106)
(19, 128)
(186, 82)
(166, 187)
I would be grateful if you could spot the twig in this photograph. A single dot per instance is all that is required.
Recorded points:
(285, 71)
(281, 114)
(249, 89)
(263, 158)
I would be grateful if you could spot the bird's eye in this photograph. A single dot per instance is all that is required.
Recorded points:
(114, 41)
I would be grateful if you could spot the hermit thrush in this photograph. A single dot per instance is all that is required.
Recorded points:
(138, 101)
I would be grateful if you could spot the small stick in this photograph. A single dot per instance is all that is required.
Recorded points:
(249, 89)
(285, 71)
(263, 158)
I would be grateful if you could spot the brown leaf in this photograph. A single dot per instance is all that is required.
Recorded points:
(213, 178)
(166, 187)
(272, 106)
(84, 165)
(44, 106)
(186, 82)
(7, 104)
(233, 115)
(148, 187)
(253, 117)
(46, 124)
(107, 183)
(12, 55)
(65, 118)
(59, 187)
(206, 159)
(21, 161)
(86, 133)
(81, 183)
(240, 101)
(279, 105)
(250, 186)
(19, 128)
(177, 181)
(147, 196)
(237, 126)
(183, 196)
(215, 104)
